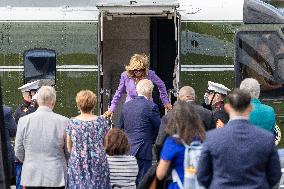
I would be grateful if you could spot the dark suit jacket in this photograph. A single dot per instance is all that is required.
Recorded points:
(24, 108)
(10, 128)
(10, 131)
(140, 119)
(205, 115)
(239, 156)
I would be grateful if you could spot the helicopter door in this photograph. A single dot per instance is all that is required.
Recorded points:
(121, 25)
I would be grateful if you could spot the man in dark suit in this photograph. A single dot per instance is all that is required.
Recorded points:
(187, 94)
(10, 132)
(140, 120)
(239, 155)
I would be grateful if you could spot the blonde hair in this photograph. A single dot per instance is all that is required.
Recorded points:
(86, 101)
(137, 62)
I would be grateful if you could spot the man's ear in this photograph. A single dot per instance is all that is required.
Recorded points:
(53, 104)
(249, 109)
(150, 95)
(227, 107)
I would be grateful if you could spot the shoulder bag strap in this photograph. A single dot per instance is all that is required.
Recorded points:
(176, 178)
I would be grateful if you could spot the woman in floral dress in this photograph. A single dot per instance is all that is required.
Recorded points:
(87, 166)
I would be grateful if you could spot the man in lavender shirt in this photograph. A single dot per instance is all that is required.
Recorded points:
(137, 70)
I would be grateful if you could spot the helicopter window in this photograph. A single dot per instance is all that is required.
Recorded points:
(260, 55)
(280, 71)
(194, 43)
(40, 64)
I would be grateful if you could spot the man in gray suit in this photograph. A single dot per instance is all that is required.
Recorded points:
(40, 144)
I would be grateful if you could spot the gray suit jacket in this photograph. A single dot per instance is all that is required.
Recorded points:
(40, 146)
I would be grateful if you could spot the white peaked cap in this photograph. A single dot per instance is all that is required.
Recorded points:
(30, 86)
(218, 88)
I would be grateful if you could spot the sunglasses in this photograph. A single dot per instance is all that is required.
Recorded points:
(210, 91)
(137, 71)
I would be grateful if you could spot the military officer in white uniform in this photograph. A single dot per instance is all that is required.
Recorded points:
(214, 100)
(28, 104)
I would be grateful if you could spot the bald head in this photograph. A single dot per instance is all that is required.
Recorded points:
(186, 93)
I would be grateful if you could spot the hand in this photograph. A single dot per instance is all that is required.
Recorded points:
(108, 114)
(168, 106)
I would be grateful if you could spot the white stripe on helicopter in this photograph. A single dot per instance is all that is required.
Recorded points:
(94, 68)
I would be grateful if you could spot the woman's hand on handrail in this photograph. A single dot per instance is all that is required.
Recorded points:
(168, 106)
(108, 114)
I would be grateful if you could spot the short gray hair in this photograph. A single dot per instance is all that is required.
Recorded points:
(144, 87)
(251, 86)
(186, 91)
(46, 95)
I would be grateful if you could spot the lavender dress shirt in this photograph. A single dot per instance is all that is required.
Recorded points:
(127, 85)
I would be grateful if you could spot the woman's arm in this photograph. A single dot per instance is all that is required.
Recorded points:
(162, 169)
(69, 143)
(120, 90)
(161, 86)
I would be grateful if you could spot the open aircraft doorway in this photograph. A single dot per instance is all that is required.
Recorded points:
(126, 30)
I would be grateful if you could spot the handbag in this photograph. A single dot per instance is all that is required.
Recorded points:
(154, 183)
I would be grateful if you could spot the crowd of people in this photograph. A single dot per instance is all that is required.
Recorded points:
(228, 141)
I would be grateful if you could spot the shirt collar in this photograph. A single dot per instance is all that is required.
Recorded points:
(44, 108)
(189, 101)
(239, 118)
(143, 95)
(255, 100)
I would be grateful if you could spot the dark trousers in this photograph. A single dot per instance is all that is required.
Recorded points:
(18, 167)
(143, 166)
(30, 187)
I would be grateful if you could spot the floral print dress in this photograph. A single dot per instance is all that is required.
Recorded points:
(87, 166)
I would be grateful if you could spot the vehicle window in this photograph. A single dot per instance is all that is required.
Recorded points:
(280, 70)
(40, 64)
(258, 56)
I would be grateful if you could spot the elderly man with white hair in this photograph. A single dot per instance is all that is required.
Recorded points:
(262, 115)
(140, 120)
(40, 144)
